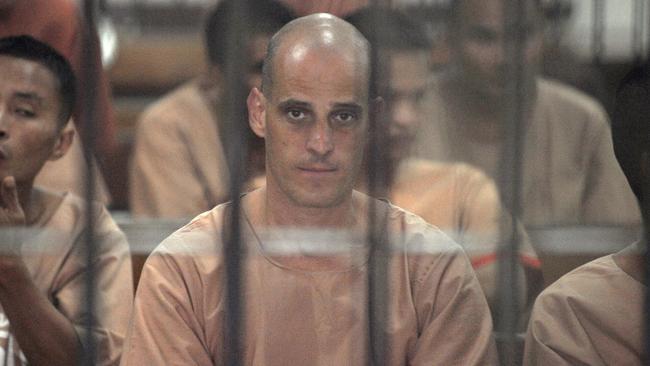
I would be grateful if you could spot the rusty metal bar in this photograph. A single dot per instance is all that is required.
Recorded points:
(507, 316)
(234, 115)
(378, 180)
(90, 46)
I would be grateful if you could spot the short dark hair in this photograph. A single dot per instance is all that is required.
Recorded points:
(398, 30)
(28, 48)
(454, 11)
(630, 124)
(264, 16)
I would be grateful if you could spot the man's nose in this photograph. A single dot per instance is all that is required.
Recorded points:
(404, 115)
(319, 140)
(4, 123)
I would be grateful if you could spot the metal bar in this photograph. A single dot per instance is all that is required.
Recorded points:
(233, 116)
(378, 180)
(90, 46)
(517, 95)
(645, 211)
(598, 35)
(638, 20)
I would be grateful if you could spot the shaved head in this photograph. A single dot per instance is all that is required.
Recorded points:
(316, 33)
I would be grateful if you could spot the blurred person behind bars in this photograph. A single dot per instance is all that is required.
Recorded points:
(178, 167)
(305, 275)
(457, 198)
(594, 315)
(569, 173)
(43, 271)
(59, 24)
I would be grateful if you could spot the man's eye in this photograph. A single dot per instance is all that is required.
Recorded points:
(345, 118)
(295, 114)
(24, 112)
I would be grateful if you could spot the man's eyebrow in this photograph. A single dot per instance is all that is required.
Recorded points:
(29, 96)
(356, 107)
(293, 103)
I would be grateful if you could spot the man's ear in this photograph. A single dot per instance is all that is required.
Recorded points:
(256, 103)
(378, 105)
(63, 142)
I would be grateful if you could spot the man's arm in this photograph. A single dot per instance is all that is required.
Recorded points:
(162, 177)
(454, 319)
(164, 328)
(45, 336)
(608, 198)
(482, 212)
(555, 335)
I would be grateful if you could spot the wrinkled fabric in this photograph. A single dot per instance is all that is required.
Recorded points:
(570, 175)
(55, 257)
(464, 203)
(178, 167)
(295, 316)
(591, 316)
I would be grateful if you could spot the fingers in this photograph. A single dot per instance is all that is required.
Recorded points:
(9, 194)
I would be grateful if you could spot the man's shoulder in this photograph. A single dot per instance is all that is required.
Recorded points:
(414, 235)
(592, 282)
(568, 100)
(185, 100)
(201, 236)
(417, 169)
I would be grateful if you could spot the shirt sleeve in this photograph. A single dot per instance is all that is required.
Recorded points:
(608, 198)
(454, 318)
(165, 329)
(114, 289)
(162, 177)
(555, 336)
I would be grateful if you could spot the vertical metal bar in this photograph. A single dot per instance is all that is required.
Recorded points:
(234, 115)
(598, 35)
(638, 21)
(517, 94)
(645, 212)
(90, 47)
(378, 181)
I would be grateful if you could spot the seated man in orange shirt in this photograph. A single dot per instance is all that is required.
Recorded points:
(43, 271)
(179, 165)
(304, 280)
(457, 198)
(595, 314)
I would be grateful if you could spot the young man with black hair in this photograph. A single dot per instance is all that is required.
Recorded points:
(42, 265)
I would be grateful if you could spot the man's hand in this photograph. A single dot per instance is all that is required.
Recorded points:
(12, 224)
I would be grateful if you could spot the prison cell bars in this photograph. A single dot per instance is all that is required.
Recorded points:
(378, 180)
(235, 115)
(510, 167)
(90, 93)
(377, 294)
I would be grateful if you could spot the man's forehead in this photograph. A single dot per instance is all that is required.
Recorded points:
(28, 76)
(491, 13)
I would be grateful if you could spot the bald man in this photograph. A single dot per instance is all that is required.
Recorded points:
(305, 276)
(569, 173)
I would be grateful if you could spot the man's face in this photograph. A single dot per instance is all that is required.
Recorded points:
(478, 45)
(314, 121)
(408, 81)
(29, 117)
